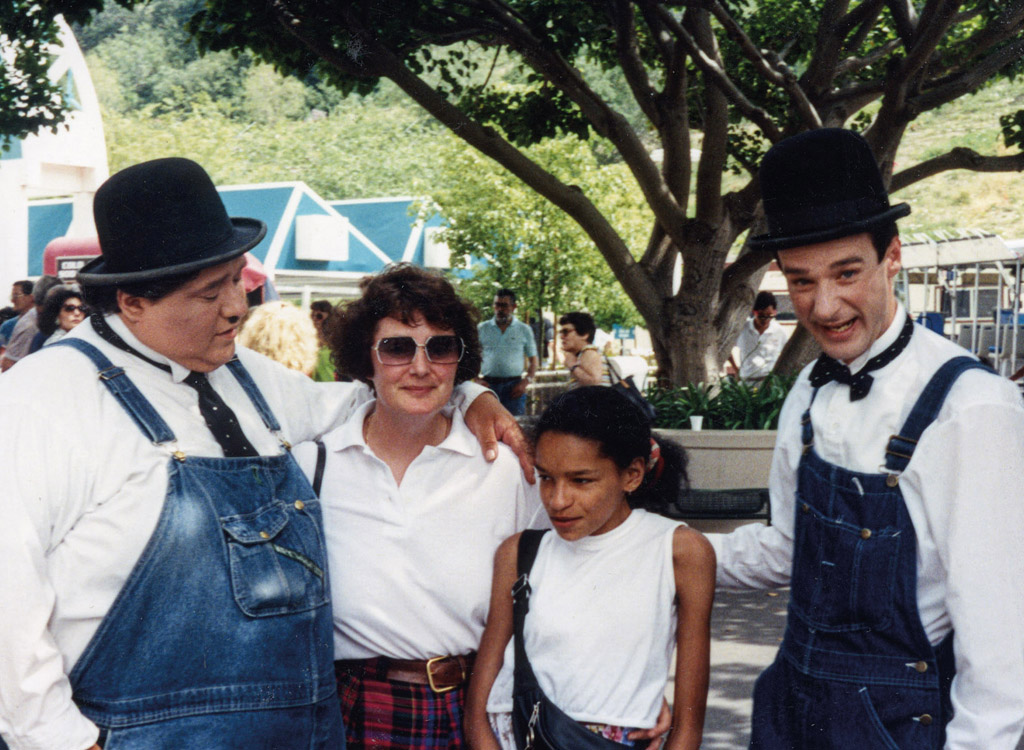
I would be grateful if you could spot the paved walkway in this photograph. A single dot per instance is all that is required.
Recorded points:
(745, 632)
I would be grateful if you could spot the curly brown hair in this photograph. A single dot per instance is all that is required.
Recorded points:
(402, 291)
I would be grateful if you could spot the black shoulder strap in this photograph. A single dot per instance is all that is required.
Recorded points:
(529, 541)
(318, 473)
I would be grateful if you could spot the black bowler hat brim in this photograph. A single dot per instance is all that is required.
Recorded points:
(245, 235)
(769, 243)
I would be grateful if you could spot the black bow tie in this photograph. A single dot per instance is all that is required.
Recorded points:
(827, 369)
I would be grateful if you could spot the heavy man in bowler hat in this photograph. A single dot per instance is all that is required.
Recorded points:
(164, 577)
(897, 490)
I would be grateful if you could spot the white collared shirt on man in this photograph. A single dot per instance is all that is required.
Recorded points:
(964, 491)
(83, 490)
(758, 351)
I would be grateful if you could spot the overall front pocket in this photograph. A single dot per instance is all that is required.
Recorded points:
(277, 559)
(843, 575)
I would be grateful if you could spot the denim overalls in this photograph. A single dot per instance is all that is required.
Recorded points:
(856, 669)
(222, 635)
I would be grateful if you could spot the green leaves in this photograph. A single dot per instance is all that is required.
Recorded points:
(733, 405)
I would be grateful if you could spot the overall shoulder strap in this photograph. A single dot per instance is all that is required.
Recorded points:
(124, 390)
(529, 542)
(249, 386)
(926, 409)
(321, 460)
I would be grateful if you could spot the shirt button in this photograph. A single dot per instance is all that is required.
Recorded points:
(925, 719)
(922, 667)
(299, 505)
(865, 533)
(264, 535)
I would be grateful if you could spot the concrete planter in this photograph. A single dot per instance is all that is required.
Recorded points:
(726, 459)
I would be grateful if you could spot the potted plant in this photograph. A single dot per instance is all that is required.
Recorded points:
(733, 450)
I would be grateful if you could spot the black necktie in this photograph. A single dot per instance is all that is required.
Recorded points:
(827, 369)
(219, 418)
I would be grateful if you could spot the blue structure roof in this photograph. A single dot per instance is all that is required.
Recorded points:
(381, 231)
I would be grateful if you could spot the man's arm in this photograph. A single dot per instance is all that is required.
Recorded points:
(36, 710)
(755, 556)
(972, 487)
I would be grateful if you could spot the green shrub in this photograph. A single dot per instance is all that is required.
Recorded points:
(735, 405)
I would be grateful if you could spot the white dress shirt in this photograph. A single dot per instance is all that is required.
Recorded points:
(758, 351)
(411, 563)
(83, 490)
(964, 491)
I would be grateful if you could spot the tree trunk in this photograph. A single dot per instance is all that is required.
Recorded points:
(799, 350)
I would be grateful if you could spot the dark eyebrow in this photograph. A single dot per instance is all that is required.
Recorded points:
(577, 473)
(835, 265)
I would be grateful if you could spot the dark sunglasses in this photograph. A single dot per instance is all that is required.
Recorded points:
(764, 316)
(73, 308)
(401, 350)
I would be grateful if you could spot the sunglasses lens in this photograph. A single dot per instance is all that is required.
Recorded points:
(444, 349)
(398, 350)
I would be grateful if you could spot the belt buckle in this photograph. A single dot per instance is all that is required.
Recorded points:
(430, 675)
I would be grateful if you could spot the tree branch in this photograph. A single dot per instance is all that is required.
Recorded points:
(865, 12)
(969, 80)
(827, 47)
(867, 22)
(713, 153)
(957, 158)
(856, 64)
(933, 26)
(718, 77)
(996, 32)
(905, 18)
(568, 198)
(774, 71)
(629, 58)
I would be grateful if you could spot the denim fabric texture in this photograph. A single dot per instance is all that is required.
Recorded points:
(856, 669)
(222, 635)
(517, 406)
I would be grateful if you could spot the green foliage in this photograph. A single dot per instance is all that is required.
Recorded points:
(29, 102)
(509, 236)
(339, 156)
(731, 405)
(1012, 127)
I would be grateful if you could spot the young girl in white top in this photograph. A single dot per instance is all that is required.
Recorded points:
(611, 593)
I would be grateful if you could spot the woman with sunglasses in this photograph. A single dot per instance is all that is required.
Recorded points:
(413, 515)
(63, 309)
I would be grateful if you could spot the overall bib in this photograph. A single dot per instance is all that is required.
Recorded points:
(222, 635)
(856, 669)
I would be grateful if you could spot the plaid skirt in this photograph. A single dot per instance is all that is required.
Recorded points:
(383, 715)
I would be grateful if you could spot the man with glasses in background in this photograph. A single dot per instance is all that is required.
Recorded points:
(508, 346)
(761, 341)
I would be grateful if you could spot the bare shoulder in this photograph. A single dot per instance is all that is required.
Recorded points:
(507, 555)
(692, 550)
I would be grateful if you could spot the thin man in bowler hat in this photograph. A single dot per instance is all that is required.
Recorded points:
(164, 572)
(897, 490)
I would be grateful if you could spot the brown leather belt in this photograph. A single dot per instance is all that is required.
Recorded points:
(442, 673)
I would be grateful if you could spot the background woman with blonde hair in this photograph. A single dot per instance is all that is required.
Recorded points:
(283, 332)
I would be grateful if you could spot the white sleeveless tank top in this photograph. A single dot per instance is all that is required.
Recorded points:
(602, 623)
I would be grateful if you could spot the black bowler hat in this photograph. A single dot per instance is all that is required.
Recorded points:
(821, 185)
(163, 218)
